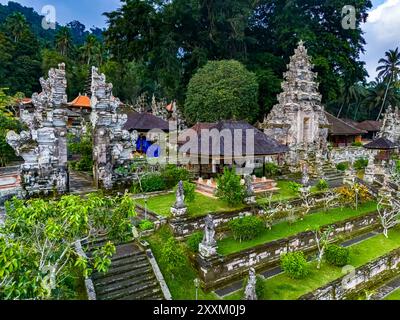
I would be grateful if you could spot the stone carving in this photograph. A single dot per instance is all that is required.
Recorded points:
(370, 170)
(250, 195)
(391, 125)
(305, 179)
(250, 291)
(113, 145)
(299, 119)
(179, 208)
(208, 247)
(44, 146)
(158, 108)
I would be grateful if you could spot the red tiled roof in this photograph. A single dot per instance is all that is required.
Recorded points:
(80, 102)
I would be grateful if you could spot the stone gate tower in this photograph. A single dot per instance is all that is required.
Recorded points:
(298, 120)
(44, 146)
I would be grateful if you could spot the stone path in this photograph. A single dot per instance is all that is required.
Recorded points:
(80, 183)
(270, 273)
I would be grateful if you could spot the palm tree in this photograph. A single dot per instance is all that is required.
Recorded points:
(379, 95)
(91, 50)
(63, 40)
(16, 24)
(389, 70)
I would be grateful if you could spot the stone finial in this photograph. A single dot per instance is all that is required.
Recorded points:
(208, 247)
(250, 195)
(250, 290)
(305, 179)
(179, 208)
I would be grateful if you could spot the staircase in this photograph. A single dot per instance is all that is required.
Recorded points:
(333, 176)
(130, 276)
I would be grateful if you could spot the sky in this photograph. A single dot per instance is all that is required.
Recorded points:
(382, 30)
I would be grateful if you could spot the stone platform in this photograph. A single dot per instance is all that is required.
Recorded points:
(260, 185)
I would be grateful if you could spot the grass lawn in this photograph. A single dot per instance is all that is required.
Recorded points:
(395, 295)
(201, 206)
(282, 287)
(282, 230)
(285, 193)
(181, 283)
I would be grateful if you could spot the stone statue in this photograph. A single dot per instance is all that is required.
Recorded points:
(250, 195)
(179, 208)
(250, 291)
(305, 179)
(208, 247)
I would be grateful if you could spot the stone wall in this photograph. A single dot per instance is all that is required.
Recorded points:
(360, 278)
(344, 154)
(216, 271)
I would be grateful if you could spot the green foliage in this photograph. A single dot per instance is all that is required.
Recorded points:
(190, 191)
(194, 240)
(82, 146)
(146, 225)
(343, 166)
(360, 164)
(173, 255)
(38, 242)
(173, 174)
(357, 144)
(246, 228)
(294, 186)
(337, 255)
(295, 264)
(222, 90)
(272, 169)
(152, 182)
(229, 187)
(322, 185)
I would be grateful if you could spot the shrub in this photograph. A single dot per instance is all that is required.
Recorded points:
(347, 194)
(146, 225)
(271, 169)
(246, 228)
(173, 174)
(360, 164)
(172, 256)
(190, 191)
(152, 182)
(295, 264)
(357, 144)
(337, 255)
(229, 188)
(322, 185)
(294, 186)
(343, 166)
(194, 240)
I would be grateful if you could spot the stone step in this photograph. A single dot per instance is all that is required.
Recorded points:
(123, 276)
(151, 294)
(134, 292)
(119, 270)
(124, 284)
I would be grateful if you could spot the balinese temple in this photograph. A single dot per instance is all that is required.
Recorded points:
(383, 147)
(341, 133)
(371, 127)
(80, 109)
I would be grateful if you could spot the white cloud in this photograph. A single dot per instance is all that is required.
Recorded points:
(382, 32)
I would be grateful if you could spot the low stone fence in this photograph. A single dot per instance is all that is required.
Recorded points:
(359, 279)
(216, 271)
(345, 154)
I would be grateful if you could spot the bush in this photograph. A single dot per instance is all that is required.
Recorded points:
(194, 240)
(246, 228)
(229, 188)
(360, 164)
(172, 175)
(337, 255)
(190, 191)
(343, 166)
(357, 144)
(322, 185)
(271, 169)
(146, 225)
(294, 186)
(172, 256)
(295, 264)
(153, 182)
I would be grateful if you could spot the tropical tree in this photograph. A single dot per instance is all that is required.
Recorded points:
(41, 244)
(63, 40)
(17, 25)
(389, 71)
(91, 50)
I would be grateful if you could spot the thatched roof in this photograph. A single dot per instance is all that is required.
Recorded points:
(370, 125)
(263, 145)
(381, 144)
(341, 128)
(144, 122)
